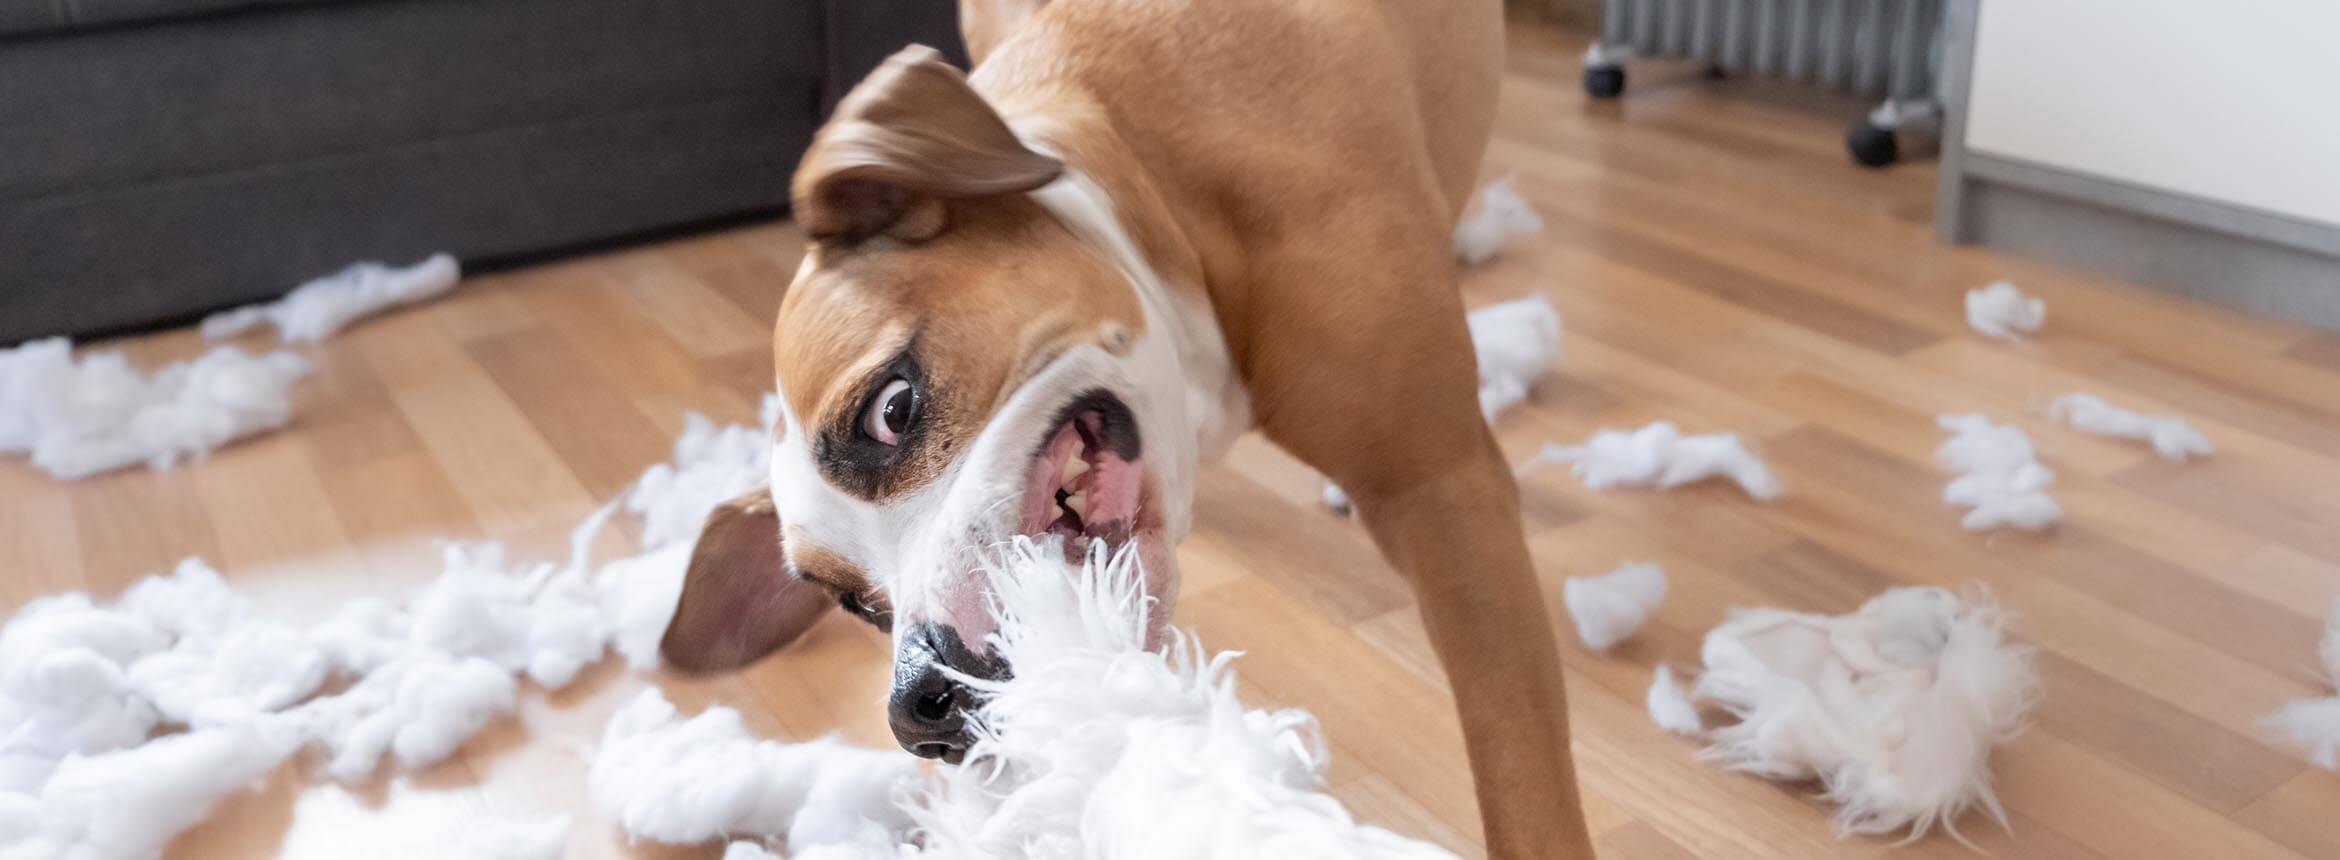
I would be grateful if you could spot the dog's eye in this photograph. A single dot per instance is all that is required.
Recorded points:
(890, 413)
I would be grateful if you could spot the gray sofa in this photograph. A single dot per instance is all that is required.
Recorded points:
(162, 158)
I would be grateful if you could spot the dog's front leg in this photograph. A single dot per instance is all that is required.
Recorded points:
(1457, 538)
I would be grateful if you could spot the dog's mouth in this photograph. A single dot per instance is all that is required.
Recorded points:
(1087, 481)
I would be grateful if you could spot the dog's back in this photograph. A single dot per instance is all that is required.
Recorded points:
(1277, 96)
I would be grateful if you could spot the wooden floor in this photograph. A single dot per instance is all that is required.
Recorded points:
(1720, 266)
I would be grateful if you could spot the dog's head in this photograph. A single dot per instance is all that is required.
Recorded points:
(956, 368)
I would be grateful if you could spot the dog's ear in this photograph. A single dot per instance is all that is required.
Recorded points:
(910, 137)
(983, 24)
(739, 599)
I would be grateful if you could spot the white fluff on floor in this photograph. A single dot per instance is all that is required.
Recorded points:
(2170, 436)
(1500, 216)
(1095, 748)
(1515, 343)
(130, 803)
(2315, 723)
(1659, 455)
(1669, 705)
(80, 417)
(315, 310)
(2001, 481)
(540, 838)
(712, 464)
(1610, 607)
(2000, 310)
(1894, 708)
(85, 687)
(683, 781)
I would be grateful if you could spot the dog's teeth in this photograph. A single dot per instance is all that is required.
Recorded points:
(1073, 471)
(1079, 503)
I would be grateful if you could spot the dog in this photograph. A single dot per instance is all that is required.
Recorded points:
(1038, 296)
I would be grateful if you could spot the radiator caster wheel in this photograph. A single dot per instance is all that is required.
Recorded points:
(1604, 82)
(1872, 146)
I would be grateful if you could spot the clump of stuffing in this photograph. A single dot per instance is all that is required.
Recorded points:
(711, 465)
(683, 781)
(2000, 310)
(2170, 436)
(85, 686)
(130, 802)
(1610, 607)
(77, 418)
(1669, 705)
(315, 310)
(1659, 455)
(1893, 708)
(2315, 723)
(744, 850)
(2001, 481)
(1501, 216)
(1516, 342)
(1096, 747)
(1192, 773)
(540, 838)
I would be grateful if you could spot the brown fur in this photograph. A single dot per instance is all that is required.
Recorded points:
(1310, 159)
(1300, 165)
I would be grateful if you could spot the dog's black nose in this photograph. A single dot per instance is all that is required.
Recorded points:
(929, 706)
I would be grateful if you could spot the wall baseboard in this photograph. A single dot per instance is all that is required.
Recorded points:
(2277, 278)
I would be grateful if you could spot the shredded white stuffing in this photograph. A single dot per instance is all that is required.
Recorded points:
(1516, 343)
(77, 418)
(2170, 436)
(1669, 704)
(1501, 216)
(1893, 708)
(84, 686)
(1095, 747)
(683, 781)
(1610, 607)
(544, 837)
(2315, 723)
(2001, 481)
(1659, 455)
(755, 851)
(2000, 310)
(315, 310)
(129, 803)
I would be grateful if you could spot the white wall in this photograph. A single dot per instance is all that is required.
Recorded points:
(2233, 100)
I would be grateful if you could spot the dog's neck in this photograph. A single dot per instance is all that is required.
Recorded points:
(1109, 202)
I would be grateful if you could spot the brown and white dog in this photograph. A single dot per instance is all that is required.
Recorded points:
(1039, 296)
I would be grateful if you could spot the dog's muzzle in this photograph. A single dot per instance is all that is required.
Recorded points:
(929, 705)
